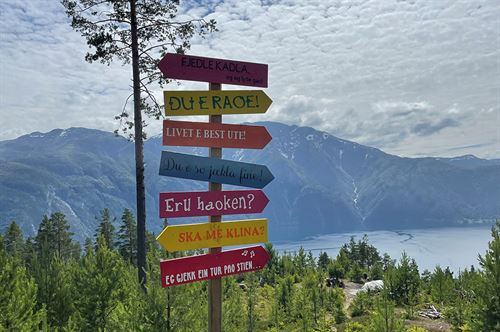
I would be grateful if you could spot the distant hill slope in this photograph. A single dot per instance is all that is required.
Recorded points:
(323, 184)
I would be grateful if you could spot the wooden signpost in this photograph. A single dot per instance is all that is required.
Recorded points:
(183, 133)
(215, 135)
(213, 235)
(192, 204)
(212, 169)
(183, 270)
(211, 70)
(215, 102)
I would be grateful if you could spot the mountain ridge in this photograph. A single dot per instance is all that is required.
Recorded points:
(323, 184)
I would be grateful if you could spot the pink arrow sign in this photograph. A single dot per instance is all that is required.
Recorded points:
(214, 203)
(197, 68)
(184, 270)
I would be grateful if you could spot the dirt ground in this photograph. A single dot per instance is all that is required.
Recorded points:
(433, 325)
(350, 291)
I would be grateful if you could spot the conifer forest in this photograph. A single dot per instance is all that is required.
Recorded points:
(50, 282)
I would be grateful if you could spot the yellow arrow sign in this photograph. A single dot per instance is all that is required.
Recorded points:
(213, 234)
(215, 102)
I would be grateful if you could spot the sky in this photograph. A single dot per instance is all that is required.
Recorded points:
(412, 78)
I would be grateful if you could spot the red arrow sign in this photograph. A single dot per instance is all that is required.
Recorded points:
(212, 203)
(183, 133)
(209, 266)
(196, 68)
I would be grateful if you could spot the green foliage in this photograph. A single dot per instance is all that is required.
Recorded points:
(335, 270)
(359, 259)
(53, 277)
(361, 304)
(106, 229)
(13, 240)
(334, 304)
(356, 273)
(384, 318)
(18, 298)
(50, 286)
(54, 237)
(488, 309)
(403, 283)
(106, 25)
(233, 315)
(271, 272)
(464, 301)
(354, 327)
(127, 237)
(323, 261)
(299, 261)
(100, 286)
(251, 286)
(377, 271)
(416, 329)
(441, 285)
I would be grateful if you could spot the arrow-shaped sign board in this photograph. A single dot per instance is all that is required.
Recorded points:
(211, 203)
(213, 234)
(215, 102)
(209, 169)
(197, 68)
(218, 135)
(183, 270)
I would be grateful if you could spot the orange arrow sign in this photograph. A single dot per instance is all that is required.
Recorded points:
(218, 135)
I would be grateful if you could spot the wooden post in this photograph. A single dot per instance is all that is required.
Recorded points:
(215, 285)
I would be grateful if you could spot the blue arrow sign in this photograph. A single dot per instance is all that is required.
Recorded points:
(192, 167)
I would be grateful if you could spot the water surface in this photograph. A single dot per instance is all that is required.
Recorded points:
(457, 248)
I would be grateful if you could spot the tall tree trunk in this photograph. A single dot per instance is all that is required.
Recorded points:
(139, 153)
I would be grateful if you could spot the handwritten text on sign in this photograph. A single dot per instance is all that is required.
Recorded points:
(196, 68)
(211, 235)
(202, 203)
(214, 170)
(184, 133)
(215, 102)
(208, 266)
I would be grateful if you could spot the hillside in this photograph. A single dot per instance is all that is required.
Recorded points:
(322, 184)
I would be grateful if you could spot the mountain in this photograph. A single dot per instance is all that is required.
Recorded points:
(322, 184)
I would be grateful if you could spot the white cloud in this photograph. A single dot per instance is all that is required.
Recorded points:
(405, 76)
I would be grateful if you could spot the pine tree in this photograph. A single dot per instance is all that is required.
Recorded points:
(62, 236)
(101, 284)
(127, 237)
(17, 297)
(270, 272)
(384, 318)
(13, 240)
(343, 260)
(106, 230)
(323, 261)
(251, 302)
(488, 310)
(300, 261)
(53, 278)
(442, 285)
(45, 236)
(405, 281)
(54, 238)
(88, 246)
(233, 317)
(310, 261)
(135, 32)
